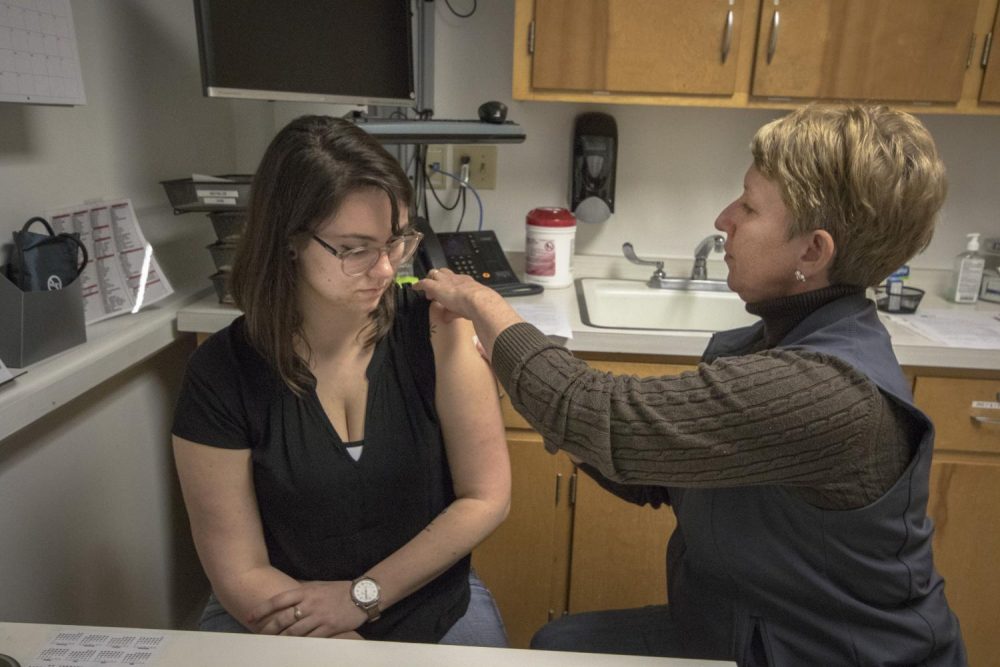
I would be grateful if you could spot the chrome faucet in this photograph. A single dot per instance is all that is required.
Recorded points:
(659, 279)
(714, 242)
(658, 274)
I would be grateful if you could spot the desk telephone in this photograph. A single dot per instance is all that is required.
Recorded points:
(476, 254)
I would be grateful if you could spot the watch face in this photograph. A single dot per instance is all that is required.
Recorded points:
(366, 591)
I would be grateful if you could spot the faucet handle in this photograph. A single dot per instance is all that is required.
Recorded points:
(630, 255)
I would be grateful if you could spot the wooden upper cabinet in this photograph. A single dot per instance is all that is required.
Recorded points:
(673, 46)
(894, 50)
(570, 44)
(637, 46)
(991, 61)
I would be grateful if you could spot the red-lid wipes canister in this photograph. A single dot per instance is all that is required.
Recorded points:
(549, 246)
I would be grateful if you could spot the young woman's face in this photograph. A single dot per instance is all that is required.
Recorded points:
(364, 219)
(761, 258)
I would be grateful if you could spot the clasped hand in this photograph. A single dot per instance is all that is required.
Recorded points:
(314, 609)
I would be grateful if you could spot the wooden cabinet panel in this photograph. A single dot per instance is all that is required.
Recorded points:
(647, 46)
(525, 562)
(991, 77)
(965, 506)
(619, 551)
(618, 557)
(570, 44)
(948, 402)
(673, 46)
(899, 50)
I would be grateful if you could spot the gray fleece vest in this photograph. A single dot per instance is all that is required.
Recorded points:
(759, 576)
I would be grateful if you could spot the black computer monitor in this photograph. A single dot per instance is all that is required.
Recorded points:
(342, 51)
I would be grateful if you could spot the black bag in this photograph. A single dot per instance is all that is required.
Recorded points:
(43, 262)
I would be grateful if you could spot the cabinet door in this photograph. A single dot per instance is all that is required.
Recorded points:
(673, 46)
(525, 562)
(644, 46)
(991, 78)
(619, 551)
(570, 45)
(900, 50)
(965, 507)
(965, 504)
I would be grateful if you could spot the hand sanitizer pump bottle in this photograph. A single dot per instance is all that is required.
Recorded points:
(968, 272)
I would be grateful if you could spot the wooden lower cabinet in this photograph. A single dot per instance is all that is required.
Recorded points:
(566, 549)
(965, 505)
(525, 562)
(568, 545)
(619, 551)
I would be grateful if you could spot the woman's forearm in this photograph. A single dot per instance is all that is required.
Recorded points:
(448, 538)
(241, 592)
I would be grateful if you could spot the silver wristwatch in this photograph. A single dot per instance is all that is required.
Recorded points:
(366, 594)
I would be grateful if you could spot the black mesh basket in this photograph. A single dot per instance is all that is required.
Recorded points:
(905, 302)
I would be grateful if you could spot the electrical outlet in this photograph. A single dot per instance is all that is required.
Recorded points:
(436, 155)
(482, 164)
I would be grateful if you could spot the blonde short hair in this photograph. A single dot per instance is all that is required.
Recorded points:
(867, 174)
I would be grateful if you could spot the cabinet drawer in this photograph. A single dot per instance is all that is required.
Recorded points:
(960, 426)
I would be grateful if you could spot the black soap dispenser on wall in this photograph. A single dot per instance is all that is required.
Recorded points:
(595, 153)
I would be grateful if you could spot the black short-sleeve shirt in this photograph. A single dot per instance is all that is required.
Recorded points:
(326, 516)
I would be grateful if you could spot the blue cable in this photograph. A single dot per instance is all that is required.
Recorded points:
(463, 183)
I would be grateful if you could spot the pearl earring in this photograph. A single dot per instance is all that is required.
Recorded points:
(801, 277)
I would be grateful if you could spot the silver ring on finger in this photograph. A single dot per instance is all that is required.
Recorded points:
(297, 612)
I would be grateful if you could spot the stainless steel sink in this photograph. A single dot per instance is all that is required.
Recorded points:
(682, 305)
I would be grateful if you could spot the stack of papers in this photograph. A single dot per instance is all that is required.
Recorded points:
(956, 328)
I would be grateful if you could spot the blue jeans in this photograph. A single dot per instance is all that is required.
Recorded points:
(480, 626)
(642, 631)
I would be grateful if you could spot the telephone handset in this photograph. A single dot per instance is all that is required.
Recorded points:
(477, 254)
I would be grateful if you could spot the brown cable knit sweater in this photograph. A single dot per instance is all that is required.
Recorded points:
(795, 418)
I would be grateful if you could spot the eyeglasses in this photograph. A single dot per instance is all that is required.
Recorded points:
(358, 261)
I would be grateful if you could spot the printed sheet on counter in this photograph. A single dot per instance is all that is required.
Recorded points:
(93, 648)
(954, 328)
(546, 317)
(121, 275)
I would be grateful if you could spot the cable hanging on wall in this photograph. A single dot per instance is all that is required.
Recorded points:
(475, 6)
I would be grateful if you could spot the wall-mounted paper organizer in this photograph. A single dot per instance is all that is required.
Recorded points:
(224, 198)
(37, 325)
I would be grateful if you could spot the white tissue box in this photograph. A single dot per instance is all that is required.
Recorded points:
(989, 290)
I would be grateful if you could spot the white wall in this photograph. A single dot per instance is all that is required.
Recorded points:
(145, 121)
(93, 528)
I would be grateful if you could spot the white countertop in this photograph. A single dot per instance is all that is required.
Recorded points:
(24, 641)
(912, 349)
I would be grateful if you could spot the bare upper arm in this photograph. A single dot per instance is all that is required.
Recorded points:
(469, 410)
(222, 507)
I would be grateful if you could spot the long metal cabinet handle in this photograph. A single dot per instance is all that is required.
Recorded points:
(727, 38)
(772, 45)
(986, 48)
(979, 419)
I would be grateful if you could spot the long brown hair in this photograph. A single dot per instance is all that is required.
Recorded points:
(311, 165)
